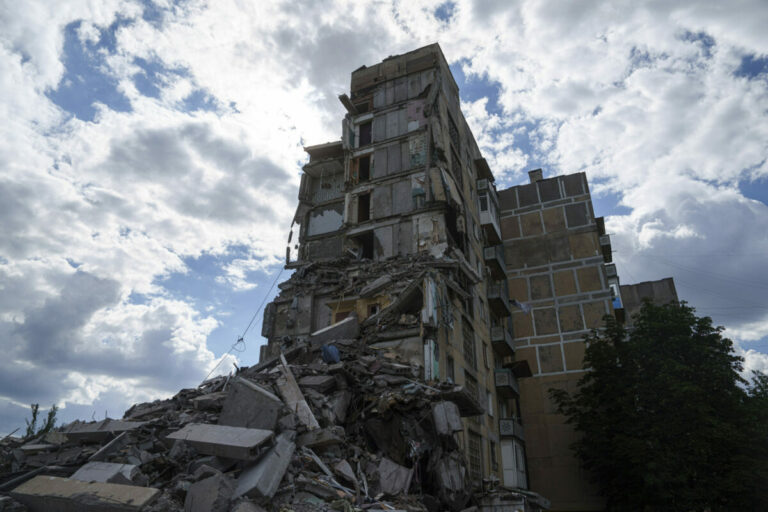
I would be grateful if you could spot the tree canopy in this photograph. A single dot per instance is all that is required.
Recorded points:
(666, 420)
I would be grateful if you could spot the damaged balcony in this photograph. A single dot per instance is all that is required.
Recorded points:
(511, 427)
(489, 210)
(506, 383)
(498, 298)
(494, 259)
(503, 339)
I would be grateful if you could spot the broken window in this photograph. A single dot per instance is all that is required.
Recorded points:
(364, 243)
(340, 315)
(364, 168)
(493, 456)
(483, 202)
(475, 456)
(364, 208)
(373, 309)
(364, 134)
(449, 372)
(469, 344)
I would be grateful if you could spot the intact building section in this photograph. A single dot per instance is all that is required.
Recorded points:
(556, 253)
(659, 292)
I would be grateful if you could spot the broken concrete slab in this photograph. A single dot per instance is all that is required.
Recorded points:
(446, 418)
(394, 478)
(55, 494)
(111, 447)
(209, 401)
(247, 506)
(223, 441)
(250, 405)
(263, 478)
(320, 383)
(322, 437)
(212, 494)
(378, 284)
(349, 328)
(99, 430)
(468, 404)
(293, 397)
(106, 472)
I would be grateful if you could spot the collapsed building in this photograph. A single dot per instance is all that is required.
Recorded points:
(408, 357)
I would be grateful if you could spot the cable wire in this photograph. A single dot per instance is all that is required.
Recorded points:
(239, 345)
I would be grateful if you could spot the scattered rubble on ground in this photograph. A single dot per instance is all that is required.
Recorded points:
(291, 434)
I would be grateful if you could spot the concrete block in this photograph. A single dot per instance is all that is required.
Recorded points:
(507, 199)
(106, 472)
(574, 184)
(549, 190)
(251, 406)
(528, 354)
(319, 383)
(565, 283)
(98, 430)
(570, 318)
(551, 358)
(247, 506)
(576, 214)
(394, 478)
(209, 401)
(212, 494)
(531, 224)
(584, 245)
(522, 324)
(594, 313)
(263, 478)
(554, 219)
(589, 279)
(574, 355)
(223, 441)
(545, 321)
(54, 494)
(527, 194)
(510, 228)
(446, 418)
(294, 399)
(347, 329)
(540, 287)
(558, 248)
(322, 437)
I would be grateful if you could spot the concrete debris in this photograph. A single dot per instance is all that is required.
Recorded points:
(394, 478)
(54, 494)
(263, 479)
(107, 472)
(212, 494)
(229, 442)
(98, 431)
(447, 418)
(249, 405)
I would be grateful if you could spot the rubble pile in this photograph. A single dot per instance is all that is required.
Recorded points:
(331, 425)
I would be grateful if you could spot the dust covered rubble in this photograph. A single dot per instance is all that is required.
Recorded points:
(295, 433)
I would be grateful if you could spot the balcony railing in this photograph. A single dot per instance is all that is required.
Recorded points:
(489, 211)
(511, 427)
(494, 259)
(506, 383)
(503, 339)
(498, 298)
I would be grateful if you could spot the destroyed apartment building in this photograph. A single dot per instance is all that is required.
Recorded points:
(408, 356)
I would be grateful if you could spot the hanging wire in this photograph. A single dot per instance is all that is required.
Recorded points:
(239, 345)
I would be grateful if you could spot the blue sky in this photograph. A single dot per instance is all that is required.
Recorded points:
(150, 159)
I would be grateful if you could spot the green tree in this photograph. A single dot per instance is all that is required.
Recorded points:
(665, 419)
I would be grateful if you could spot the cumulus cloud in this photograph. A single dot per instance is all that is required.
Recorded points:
(101, 206)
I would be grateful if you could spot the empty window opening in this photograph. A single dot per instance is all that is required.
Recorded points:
(364, 168)
(363, 107)
(364, 245)
(449, 371)
(365, 134)
(364, 208)
(373, 309)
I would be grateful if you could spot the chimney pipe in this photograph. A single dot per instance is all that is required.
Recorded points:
(536, 175)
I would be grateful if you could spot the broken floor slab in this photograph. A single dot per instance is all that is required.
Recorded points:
(106, 472)
(223, 441)
(99, 430)
(54, 494)
(446, 418)
(349, 328)
(263, 478)
(320, 383)
(394, 478)
(293, 397)
(212, 494)
(322, 437)
(250, 405)
(209, 401)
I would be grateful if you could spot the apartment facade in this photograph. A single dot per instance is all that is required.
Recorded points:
(403, 212)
